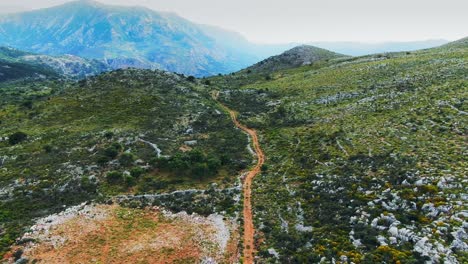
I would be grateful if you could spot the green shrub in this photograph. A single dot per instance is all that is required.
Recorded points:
(114, 177)
(191, 79)
(87, 184)
(113, 151)
(136, 172)
(194, 163)
(129, 180)
(127, 159)
(47, 148)
(27, 104)
(109, 134)
(17, 138)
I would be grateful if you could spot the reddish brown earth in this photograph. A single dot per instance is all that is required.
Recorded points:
(249, 230)
(123, 235)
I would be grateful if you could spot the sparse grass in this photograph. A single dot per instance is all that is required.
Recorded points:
(72, 129)
(126, 235)
(338, 134)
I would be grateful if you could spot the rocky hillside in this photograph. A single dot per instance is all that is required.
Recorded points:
(90, 233)
(130, 37)
(293, 58)
(12, 68)
(16, 64)
(365, 157)
(123, 132)
(461, 43)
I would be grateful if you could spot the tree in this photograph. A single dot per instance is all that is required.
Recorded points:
(136, 172)
(47, 148)
(129, 180)
(200, 169)
(127, 159)
(114, 177)
(17, 138)
(113, 150)
(28, 104)
(213, 164)
(191, 78)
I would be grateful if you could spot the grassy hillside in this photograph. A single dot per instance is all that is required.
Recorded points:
(293, 58)
(12, 68)
(124, 132)
(365, 157)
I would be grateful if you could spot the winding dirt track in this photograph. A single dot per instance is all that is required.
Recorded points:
(249, 230)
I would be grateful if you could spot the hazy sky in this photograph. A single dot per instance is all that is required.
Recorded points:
(275, 21)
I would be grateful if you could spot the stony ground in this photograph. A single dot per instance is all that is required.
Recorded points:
(114, 234)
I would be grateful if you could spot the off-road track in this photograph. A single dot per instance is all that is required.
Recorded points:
(249, 230)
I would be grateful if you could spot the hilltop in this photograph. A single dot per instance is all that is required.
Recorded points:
(293, 58)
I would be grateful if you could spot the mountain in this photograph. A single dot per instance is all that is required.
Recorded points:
(16, 64)
(129, 37)
(6, 9)
(293, 58)
(362, 48)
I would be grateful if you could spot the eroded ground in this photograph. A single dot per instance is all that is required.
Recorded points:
(113, 234)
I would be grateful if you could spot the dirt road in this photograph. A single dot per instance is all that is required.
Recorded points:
(249, 230)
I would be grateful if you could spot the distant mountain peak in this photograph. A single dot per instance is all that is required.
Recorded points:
(137, 37)
(127, 37)
(295, 57)
(304, 51)
(86, 2)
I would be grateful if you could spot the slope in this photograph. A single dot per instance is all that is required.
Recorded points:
(365, 157)
(461, 43)
(12, 69)
(249, 231)
(18, 64)
(123, 132)
(293, 58)
(128, 37)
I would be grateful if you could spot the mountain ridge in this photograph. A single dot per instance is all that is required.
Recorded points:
(124, 36)
(298, 56)
(17, 64)
(140, 37)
